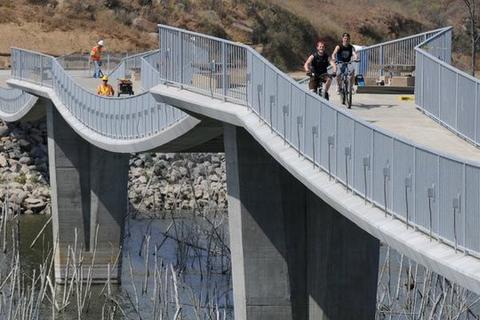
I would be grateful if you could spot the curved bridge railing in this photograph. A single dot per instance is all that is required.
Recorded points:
(427, 190)
(151, 75)
(129, 65)
(125, 118)
(13, 101)
(445, 93)
(379, 59)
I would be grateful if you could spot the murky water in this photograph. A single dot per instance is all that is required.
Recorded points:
(182, 264)
(169, 266)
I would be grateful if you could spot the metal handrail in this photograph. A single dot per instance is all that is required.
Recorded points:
(427, 33)
(152, 77)
(126, 118)
(120, 69)
(410, 182)
(375, 59)
(445, 93)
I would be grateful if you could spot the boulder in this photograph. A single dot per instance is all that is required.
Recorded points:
(3, 130)
(25, 144)
(144, 25)
(3, 161)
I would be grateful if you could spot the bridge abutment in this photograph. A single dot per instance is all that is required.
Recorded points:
(89, 203)
(293, 256)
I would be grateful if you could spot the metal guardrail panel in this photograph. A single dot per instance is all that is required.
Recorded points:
(117, 118)
(403, 179)
(467, 106)
(415, 184)
(472, 208)
(420, 186)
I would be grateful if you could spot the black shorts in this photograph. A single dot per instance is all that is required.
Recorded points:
(316, 82)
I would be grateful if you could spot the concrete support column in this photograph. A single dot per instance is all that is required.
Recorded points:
(88, 192)
(293, 256)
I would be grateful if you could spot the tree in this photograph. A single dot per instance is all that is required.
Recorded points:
(471, 6)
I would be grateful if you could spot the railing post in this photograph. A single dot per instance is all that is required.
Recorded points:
(456, 101)
(20, 65)
(182, 62)
(381, 60)
(337, 145)
(423, 81)
(224, 71)
(414, 188)
(464, 206)
(41, 71)
(439, 93)
(439, 197)
(372, 164)
(456, 209)
(475, 138)
(353, 158)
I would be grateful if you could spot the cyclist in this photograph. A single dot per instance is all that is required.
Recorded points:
(316, 67)
(344, 52)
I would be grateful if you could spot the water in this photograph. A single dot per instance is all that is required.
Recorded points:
(194, 251)
(189, 250)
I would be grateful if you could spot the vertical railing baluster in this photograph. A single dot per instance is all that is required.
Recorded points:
(475, 107)
(456, 100)
(464, 205)
(224, 72)
(336, 145)
(439, 195)
(414, 187)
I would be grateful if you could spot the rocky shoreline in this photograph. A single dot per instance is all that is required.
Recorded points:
(158, 182)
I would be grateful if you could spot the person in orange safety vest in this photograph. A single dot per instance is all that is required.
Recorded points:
(96, 58)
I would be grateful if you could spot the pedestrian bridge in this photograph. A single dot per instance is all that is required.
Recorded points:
(311, 185)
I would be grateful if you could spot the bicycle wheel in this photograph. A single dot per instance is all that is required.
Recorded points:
(343, 92)
(349, 95)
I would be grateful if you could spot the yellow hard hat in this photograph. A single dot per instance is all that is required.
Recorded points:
(105, 78)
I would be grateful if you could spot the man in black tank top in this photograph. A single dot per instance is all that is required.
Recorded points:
(344, 52)
(316, 66)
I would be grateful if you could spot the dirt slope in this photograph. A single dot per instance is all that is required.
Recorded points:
(283, 30)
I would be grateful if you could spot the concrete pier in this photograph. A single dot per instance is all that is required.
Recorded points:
(88, 192)
(293, 256)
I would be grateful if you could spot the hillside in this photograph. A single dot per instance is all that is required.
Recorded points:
(283, 30)
(63, 26)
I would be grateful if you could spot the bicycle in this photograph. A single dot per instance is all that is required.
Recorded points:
(320, 82)
(345, 85)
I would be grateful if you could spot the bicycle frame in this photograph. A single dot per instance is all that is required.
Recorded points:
(345, 85)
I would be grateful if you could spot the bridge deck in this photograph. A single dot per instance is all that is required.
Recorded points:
(84, 78)
(391, 113)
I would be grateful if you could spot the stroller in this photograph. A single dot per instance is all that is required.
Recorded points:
(125, 86)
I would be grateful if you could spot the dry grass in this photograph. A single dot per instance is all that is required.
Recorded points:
(285, 29)
(366, 20)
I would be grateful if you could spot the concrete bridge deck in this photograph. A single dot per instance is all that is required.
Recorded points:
(400, 117)
(84, 78)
